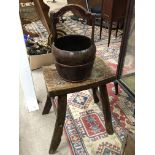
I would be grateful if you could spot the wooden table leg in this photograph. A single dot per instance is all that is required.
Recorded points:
(117, 29)
(101, 23)
(96, 99)
(47, 106)
(109, 35)
(61, 113)
(106, 108)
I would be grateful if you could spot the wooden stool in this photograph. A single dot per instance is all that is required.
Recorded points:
(56, 86)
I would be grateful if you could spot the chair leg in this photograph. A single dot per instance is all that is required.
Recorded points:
(116, 87)
(110, 28)
(101, 27)
(117, 29)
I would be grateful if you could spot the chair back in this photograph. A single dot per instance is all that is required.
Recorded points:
(82, 3)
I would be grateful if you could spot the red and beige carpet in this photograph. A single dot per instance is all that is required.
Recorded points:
(85, 128)
(84, 124)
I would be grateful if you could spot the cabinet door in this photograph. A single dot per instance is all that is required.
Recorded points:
(128, 72)
(126, 64)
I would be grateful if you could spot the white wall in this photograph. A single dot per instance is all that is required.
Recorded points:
(26, 78)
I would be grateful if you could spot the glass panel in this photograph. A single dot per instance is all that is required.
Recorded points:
(128, 75)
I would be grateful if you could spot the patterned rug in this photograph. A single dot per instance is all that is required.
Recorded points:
(85, 128)
(84, 124)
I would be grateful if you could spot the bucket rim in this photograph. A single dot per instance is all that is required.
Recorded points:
(91, 43)
(71, 35)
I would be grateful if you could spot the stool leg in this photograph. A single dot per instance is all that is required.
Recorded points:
(38, 101)
(106, 108)
(96, 99)
(47, 106)
(61, 113)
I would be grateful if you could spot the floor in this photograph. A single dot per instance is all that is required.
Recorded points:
(36, 130)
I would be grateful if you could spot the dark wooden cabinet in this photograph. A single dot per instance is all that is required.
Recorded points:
(126, 63)
(125, 74)
(114, 9)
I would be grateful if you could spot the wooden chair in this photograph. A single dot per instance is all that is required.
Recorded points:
(82, 3)
(79, 2)
(94, 6)
(43, 10)
(112, 11)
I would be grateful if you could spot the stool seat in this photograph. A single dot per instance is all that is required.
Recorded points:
(101, 74)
